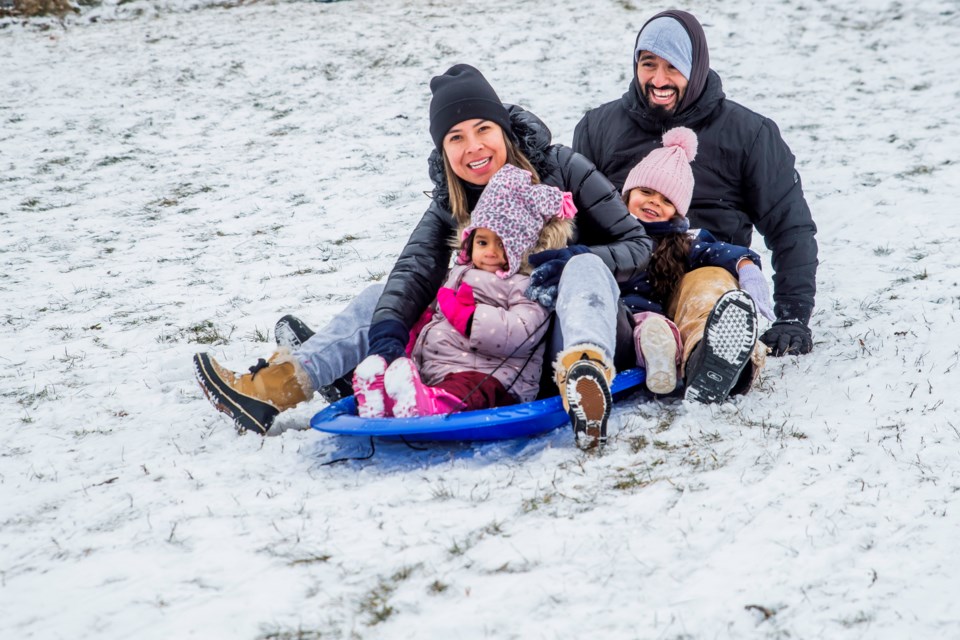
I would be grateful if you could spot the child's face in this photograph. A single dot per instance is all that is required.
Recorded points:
(650, 205)
(487, 252)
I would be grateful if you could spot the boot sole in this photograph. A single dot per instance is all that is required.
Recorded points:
(588, 396)
(291, 332)
(226, 400)
(729, 339)
(659, 349)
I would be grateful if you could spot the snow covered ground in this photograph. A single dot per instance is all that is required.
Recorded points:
(173, 178)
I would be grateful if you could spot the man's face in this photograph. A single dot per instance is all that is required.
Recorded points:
(661, 83)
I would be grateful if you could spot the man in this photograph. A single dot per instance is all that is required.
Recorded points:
(744, 172)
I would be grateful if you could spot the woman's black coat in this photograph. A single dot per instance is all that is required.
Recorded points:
(603, 223)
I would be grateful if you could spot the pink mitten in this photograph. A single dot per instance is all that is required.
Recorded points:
(458, 307)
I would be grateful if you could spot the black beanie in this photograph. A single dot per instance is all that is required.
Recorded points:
(462, 93)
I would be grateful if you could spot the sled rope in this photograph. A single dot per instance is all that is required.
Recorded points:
(504, 360)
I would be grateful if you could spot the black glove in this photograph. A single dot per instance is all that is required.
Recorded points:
(788, 337)
(388, 339)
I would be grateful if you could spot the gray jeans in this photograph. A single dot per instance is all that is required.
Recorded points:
(586, 306)
(337, 348)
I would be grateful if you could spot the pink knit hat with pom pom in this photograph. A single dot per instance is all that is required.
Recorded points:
(667, 170)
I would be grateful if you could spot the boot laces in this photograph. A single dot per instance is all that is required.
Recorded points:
(255, 369)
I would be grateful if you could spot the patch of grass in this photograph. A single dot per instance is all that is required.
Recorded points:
(31, 398)
(259, 335)
(387, 198)
(493, 529)
(345, 239)
(458, 549)
(112, 160)
(631, 480)
(442, 492)
(920, 170)
(37, 8)
(535, 503)
(311, 559)
(882, 252)
(637, 443)
(207, 333)
(436, 587)
(299, 633)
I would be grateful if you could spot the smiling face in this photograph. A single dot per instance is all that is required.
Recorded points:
(661, 83)
(475, 150)
(650, 205)
(486, 251)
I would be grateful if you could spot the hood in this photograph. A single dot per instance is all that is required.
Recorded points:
(699, 73)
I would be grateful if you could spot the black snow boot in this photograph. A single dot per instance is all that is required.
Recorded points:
(291, 332)
(715, 365)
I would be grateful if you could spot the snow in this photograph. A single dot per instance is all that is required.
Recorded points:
(176, 175)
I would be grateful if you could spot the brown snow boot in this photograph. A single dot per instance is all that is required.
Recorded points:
(254, 399)
(583, 375)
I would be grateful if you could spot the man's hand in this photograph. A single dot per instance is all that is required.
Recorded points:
(788, 337)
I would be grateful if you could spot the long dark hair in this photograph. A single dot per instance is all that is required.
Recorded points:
(668, 263)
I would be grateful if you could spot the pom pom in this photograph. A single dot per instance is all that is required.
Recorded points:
(684, 138)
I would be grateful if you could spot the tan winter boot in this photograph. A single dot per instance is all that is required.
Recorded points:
(254, 399)
(583, 375)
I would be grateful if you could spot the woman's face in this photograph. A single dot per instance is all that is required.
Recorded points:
(475, 150)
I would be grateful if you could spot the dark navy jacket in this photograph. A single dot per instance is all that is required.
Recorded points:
(706, 251)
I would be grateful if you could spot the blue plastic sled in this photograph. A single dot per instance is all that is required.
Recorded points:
(502, 423)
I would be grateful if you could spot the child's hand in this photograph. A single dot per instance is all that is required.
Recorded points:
(549, 264)
(458, 306)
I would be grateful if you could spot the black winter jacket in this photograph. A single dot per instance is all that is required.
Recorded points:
(602, 222)
(744, 177)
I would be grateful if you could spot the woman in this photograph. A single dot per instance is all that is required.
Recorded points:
(474, 135)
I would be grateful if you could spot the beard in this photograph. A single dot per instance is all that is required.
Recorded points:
(658, 113)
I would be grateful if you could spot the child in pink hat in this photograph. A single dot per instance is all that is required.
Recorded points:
(483, 346)
(658, 191)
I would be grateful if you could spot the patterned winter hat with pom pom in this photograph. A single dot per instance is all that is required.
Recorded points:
(667, 169)
(516, 210)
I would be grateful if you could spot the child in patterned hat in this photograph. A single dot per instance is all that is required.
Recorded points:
(483, 347)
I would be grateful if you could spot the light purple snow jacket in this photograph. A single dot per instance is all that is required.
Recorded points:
(504, 320)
